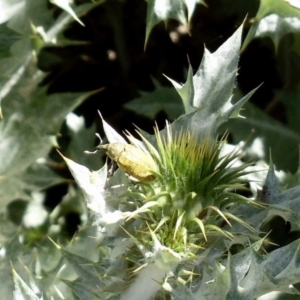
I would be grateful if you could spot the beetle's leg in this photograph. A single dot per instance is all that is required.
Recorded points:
(112, 168)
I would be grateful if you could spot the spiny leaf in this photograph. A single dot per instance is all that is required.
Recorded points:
(65, 5)
(162, 10)
(274, 19)
(207, 95)
(111, 134)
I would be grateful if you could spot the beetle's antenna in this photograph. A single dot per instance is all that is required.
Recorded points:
(97, 148)
(99, 137)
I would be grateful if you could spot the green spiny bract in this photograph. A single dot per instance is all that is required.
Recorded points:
(193, 193)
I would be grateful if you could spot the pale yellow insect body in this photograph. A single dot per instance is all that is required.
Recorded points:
(132, 160)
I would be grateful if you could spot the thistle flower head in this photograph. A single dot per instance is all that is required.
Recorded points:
(193, 188)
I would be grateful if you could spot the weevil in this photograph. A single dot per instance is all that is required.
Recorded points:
(132, 160)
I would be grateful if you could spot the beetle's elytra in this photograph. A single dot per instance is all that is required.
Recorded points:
(131, 160)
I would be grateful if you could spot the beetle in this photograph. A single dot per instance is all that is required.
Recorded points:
(132, 160)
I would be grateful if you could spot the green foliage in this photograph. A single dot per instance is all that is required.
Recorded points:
(161, 99)
(158, 11)
(24, 134)
(196, 231)
(274, 19)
